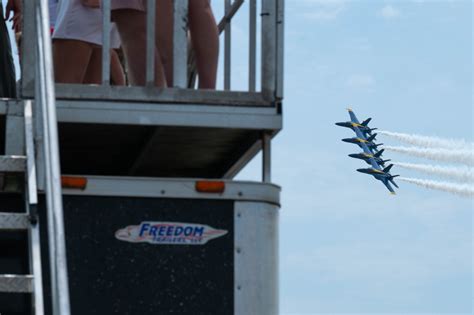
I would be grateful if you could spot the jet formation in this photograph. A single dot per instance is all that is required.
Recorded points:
(365, 138)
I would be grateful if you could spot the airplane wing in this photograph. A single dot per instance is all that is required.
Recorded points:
(373, 162)
(356, 129)
(359, 133)
(387, 184)
(353, 116)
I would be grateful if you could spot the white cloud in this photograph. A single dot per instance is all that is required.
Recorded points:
(389, 12)
(324, 10)
(364, 82)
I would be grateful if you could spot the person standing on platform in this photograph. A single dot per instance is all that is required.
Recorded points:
(130, 17)
(77, 44)
(204, 39)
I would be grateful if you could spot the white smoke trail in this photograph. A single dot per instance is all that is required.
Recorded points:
(463, 190)
(463, 174)
(444, 155)
(429, 142)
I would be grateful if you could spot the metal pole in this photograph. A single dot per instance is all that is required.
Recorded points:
(253, 46)
(280, 48)
(180, 43)
(150, 42)
(53, 175)
(106, 42)
(266, 157)
(40, 101)
(227, 49)
(268, 49)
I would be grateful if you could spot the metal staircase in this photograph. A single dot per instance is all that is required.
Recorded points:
(40, 131)
(28, 221)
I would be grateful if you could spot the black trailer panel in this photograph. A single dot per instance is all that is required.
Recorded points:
(157, 246)
(111, 276)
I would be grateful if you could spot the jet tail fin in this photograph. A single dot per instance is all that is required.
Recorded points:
(387, 169)
(372, 137)
(378, 154)
(366, 122)
(393, 182)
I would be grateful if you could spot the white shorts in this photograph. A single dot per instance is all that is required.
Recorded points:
(75, 21)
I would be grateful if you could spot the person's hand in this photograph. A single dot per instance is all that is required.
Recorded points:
(91, 3)
(14, 6)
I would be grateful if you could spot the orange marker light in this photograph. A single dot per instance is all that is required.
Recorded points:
(216, 187)
(74, 182)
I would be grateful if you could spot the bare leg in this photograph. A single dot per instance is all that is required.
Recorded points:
(94, 70)
(205, 39)
(116, 71)
(71, 59)
(131, 25)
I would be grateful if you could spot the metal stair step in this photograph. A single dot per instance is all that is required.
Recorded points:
(14, 221)
(16, 283)
(12, 163)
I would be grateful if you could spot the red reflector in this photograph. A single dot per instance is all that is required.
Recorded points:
(74, 182)
(210, 187)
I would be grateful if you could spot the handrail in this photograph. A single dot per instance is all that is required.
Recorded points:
(265, 81)
(46, 117)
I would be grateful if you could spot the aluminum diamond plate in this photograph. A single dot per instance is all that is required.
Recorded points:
(16, 283)
(12, 163)
(13, 221)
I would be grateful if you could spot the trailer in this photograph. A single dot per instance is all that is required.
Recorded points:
(121, 200)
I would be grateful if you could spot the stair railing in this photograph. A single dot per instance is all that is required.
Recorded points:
(48, 148)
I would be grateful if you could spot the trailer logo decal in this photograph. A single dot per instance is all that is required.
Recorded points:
(169, 233)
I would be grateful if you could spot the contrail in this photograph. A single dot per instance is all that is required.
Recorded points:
(463, 190)
(444, 155)
(463, 174)
(429, 142)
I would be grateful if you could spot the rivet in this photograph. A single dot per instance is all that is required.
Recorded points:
(163, 192)
(239, 287)
(240, 194)
(238, 250)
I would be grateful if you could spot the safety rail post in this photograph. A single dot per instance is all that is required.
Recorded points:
(253, 46)
(227, 49)
(180, 43)
(269, 56)
(150, 42)
(106, 27)
(280, 47)
(28, 49)
(45, 99)
(266, 157)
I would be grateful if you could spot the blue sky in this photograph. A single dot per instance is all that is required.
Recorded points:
(347, 246)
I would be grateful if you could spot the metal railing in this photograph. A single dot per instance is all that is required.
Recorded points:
(46, 136)
(270, 73)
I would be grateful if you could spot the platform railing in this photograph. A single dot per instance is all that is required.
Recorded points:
(270, 53)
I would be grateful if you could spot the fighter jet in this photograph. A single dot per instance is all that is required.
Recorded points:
(354, 123)
(382, 175)
(366, 141)
(366, 157)
(370, 154)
